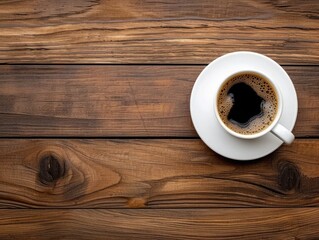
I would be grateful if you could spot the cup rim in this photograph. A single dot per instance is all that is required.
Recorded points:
(274, 122)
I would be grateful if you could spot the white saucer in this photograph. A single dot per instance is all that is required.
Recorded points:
(202, 108)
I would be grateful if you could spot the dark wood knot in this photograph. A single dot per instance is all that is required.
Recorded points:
(50, 169)
(288, 176)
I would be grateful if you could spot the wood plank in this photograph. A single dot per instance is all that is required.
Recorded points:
(152, 174)
(104, 101)
(183, 224)
(130, 31)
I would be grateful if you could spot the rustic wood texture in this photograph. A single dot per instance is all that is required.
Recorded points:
(124, 70)
(139, 224)
(152, 174)
(77, 100)
(131, 31)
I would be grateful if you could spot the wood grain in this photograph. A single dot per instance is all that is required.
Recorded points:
(152, 174)
(148, 31)
(104, 101)
(160, 224)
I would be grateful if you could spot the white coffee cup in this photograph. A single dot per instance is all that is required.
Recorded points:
(275, 127)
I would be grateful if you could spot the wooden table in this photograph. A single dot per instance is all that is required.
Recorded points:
(96, 136)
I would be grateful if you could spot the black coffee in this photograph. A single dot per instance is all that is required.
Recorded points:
(247, 103)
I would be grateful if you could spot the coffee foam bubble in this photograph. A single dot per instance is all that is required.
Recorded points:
(263, 88)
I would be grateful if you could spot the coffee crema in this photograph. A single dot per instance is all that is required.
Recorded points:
(247, 103)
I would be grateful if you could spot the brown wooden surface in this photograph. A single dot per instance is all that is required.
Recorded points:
(113, 100)
(152, 174)
(118, 156)
(253, 223)
(131, 31)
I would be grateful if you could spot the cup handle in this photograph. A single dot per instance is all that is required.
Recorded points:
(283, 133)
